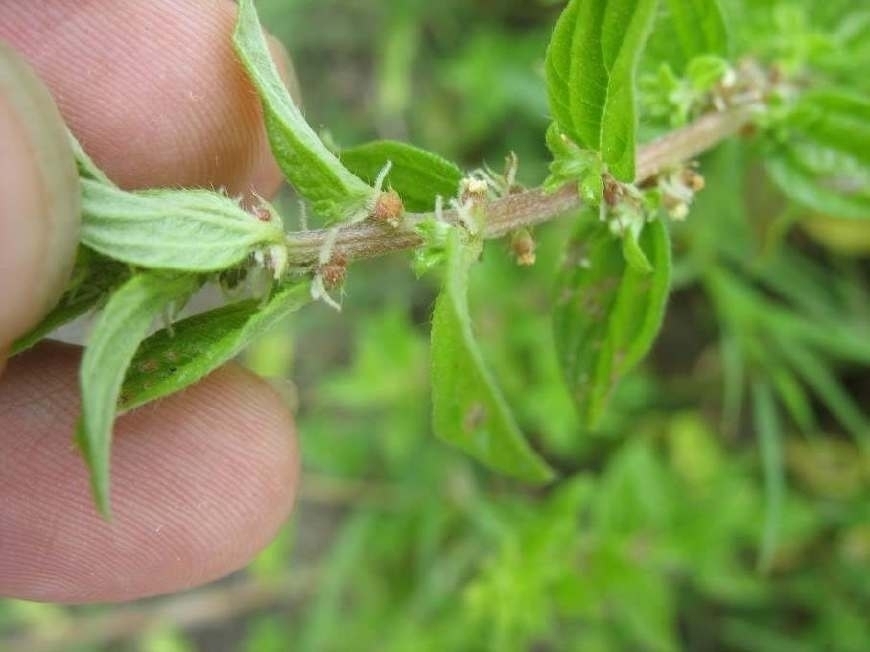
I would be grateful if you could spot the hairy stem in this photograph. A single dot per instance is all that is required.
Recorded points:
(368, 240)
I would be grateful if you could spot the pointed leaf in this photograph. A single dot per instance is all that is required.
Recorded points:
(188, 230)
(590, 66)
(314, 171)
(822, 180)
(417, 175)
(699, 26)
(87, 168)
(121, 327)
(571, 164)
(824, 163)
(769, 432)
(469, 410)
(835, 119)
(819, 377)
(607, 314)
(634, 255)
(169, 361)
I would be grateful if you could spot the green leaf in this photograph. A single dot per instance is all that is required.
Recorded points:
(469, 410)
(699, 26)
(87, 168)
(326, 612)
(769, 431)
(188, 230)
(822, 180)
(590, 66)
(607, 313)
(835, 119)
(93, 278)
(121, 327)
(315, 172)
(704, 72)
(417, 175)
(824, 162)
(733, 379)
(819, 377)
(571, 164)
(171, 360)
(792, 395)
(634, 255)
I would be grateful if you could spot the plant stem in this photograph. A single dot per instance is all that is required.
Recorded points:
(529, 208)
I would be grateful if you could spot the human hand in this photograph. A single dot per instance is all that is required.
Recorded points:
(202, 480)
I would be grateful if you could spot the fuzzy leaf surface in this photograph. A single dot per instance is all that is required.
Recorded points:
(87, 168)
(607, 312)
(185, 230)
(417, 175)
(118, 332)
(313, 170)
(169, 361)
(590, 67)
(469, 410)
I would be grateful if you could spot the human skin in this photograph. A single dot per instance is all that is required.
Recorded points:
(202, 480)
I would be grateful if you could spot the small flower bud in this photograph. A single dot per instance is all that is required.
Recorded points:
(523, 246)
(262, 214)
(264, 211)
(334, 272)
(677, 208)
(388, 208)
(693, 180)
(473, 190)
(613, 191)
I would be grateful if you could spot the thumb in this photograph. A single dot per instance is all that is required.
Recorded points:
(39, 200)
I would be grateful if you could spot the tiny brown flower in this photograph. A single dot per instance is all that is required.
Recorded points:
(389, 208)
(613, 191)
(523, 246)
(333, 273)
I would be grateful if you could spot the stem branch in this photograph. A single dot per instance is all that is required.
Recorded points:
(529, 208)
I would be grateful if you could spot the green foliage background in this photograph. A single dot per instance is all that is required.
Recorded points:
(725, 503)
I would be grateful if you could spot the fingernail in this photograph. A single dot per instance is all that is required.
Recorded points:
(39, 199)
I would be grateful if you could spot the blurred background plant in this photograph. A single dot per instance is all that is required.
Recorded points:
(724, 504)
